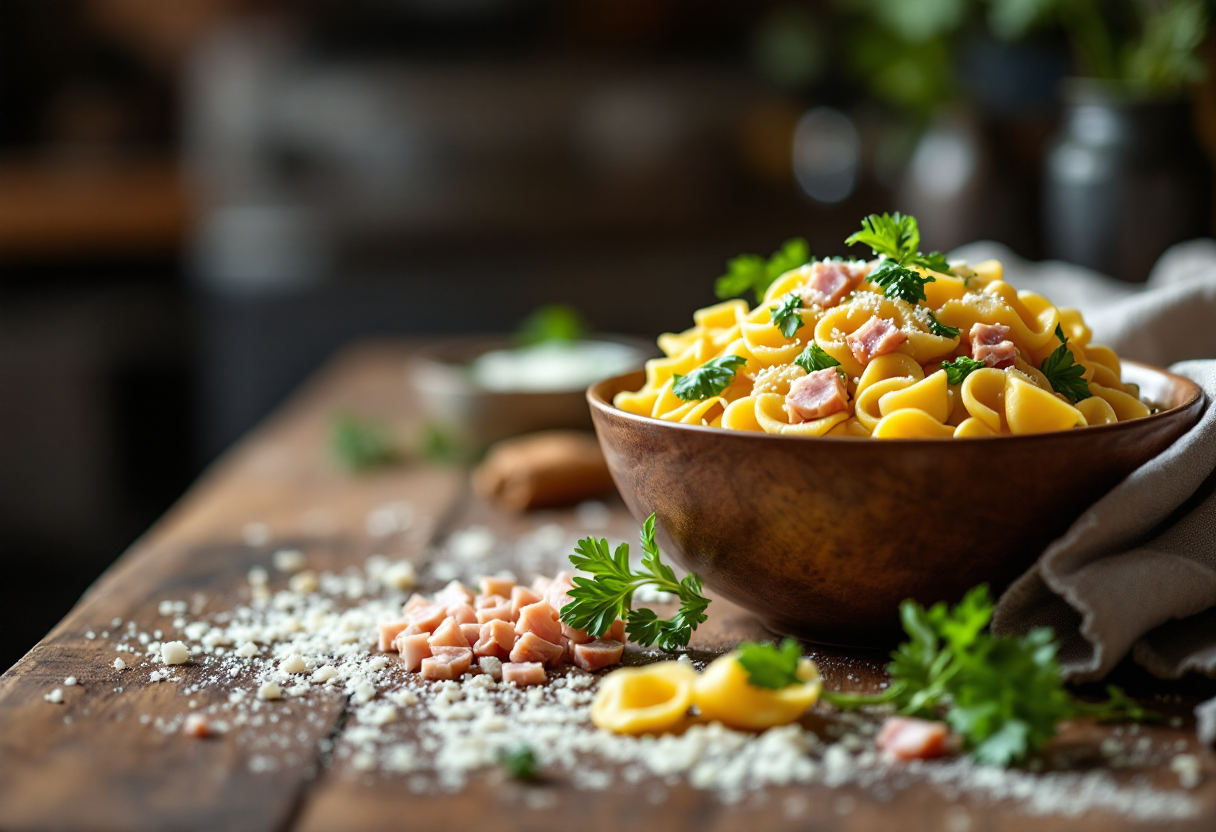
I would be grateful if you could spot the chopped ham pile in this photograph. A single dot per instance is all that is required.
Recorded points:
(877, 336)
(515, 628)
(818, 394)
(905, 738)
(990, 343)
(831, 281)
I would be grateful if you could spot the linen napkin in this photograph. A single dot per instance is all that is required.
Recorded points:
(1136, 573)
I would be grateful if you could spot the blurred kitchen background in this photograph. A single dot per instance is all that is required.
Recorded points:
(200, 200)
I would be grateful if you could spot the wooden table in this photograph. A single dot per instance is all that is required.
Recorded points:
(90, 763)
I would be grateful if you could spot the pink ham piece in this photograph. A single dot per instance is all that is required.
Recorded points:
(501, 612)
(495, 586)
(598, 654)
(990, 343)
(558, 592)
(541, 620)
(905, 738)
(389, 632)
(521, 597)
(821, 393)
(496, 639)
(472, 632)
(483, 601)
(576, 636)
(463, 613)
(523, 674)
(831, 281)
(877, 336)
(413, 650)
(617, 631)
(447, 663)
(416, 601)
(448, 635)
(540, 585)
(427, 618)
(532, 648)
(454, 593)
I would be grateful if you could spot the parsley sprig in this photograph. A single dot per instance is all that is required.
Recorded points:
(785, 315)
(769, 666)
(896, 240)
(1065, 375)
(960, 368)
(708, 380)
(939, 328)
(1003, 695)
(520, 763)
(752, 271)
(814, 358)
(608, 594)
(361, 444)
(554, 322)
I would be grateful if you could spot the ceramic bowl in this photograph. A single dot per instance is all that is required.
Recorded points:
(823, 537)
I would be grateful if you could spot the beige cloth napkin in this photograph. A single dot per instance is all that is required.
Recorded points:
(1137, 572)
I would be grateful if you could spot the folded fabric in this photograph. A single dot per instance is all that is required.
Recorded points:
(1136, 573)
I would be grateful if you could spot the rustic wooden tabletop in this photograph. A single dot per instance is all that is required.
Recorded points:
(97, 760)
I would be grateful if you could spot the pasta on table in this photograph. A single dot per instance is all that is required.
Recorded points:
(902, 346)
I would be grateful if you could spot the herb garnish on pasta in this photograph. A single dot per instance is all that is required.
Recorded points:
(960, 368)
(709, 379)
(813, 359)
(1064, 375)
(786, 316)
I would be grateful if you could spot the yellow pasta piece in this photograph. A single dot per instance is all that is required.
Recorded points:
(1125, 406)
(932, 395)
(788, 282)
(674, 343)
(741, 415)
(644, 700)
(704, 411)
(1097, 411)
(973, 427)
(1031, 410)
(666, 401)
(770, 413)
(868, 405)
(984, 397)
(911, 423)
(723, 694)
(640, 403)
(722, 315)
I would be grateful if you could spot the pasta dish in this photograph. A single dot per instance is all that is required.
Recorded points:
(905, 345)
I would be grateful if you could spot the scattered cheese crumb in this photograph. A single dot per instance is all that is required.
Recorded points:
(119, 664)
(174, 652)
(70, 681)
(196, 725)
(248, 650)
(473, 543)
(289, 560)
(1187, 767)
(304, 582)
(324, 674)
(258, 577)
(404, 698)
(379, 715)
(491, 666)
(293, 664)
(400, 575)
(90, 635)
(54, 697)
(270, 690)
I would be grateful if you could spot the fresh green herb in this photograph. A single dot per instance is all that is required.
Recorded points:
(708, 380)
(555, 322)
(785, 315)
(360, 444)
(440, 446)
(751, 271)
(520, 763)
(600, 600)
(939, 328)
(769, 666)
(899, 282)
(1003, 695)
(896, 239)
(813, 358)
(960, 368)
(1065, 375)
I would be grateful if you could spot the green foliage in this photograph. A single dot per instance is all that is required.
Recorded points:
(813, 358)
(600, 600)
(1065, 376)
(938, 328)
(708, 380)
(555, 322)
(960, 368)
(751, 271)
(520, 763)
(785, 315)
(360, 444)
(895, 238)
(1166, 58)
(769, 666)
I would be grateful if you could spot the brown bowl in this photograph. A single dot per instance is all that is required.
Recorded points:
(823, 537)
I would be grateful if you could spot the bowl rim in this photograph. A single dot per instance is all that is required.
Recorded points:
(1195, 397)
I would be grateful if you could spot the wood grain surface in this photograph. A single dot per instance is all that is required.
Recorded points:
(97, 761)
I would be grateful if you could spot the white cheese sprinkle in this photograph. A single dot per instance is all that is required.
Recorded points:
(54, 697)
(293, 664)
(289, 560)
(70, 681)
(269, 690)
(119, 664)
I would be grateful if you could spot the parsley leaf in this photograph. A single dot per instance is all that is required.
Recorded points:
(1003, 695)
(520, 763)
(708, 380)
(813, 358)
(899, 282)
(771, 667)
(785, 315)
(555, 322)
(896, 239)
(751, 271)
(360, 444)
(1066, 377)
(939, 328)
(600, 600)
(960, 368)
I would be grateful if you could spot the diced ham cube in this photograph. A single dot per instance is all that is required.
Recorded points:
(877, 336)
(416, 601)
(820, 393)
(831, 281)
(463, 613)
(576, 636)
(532, 648)
(495, 586)
(558, 592)
(990, 343)
(521, 597)
(523, 673)
(448, 635)
(499, 613)
(389, 632)
(540, 585)
(598, 654)
(540, 619)
(567, 651)
(617, 631)
(496, 639)
(454, 593)
(906, 738)
(447, 663)
(413, 650)
(483, 601)
(472, 632)
(427, 618)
